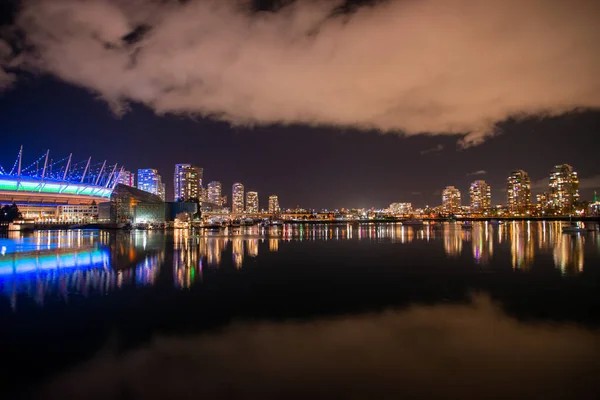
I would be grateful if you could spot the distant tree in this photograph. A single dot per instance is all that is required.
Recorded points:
(10, 213)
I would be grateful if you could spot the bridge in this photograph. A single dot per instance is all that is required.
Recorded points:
(42, 185)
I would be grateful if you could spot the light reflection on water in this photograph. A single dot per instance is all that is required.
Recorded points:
(84, 262)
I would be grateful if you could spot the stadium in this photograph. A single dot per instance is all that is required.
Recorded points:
(49, 190)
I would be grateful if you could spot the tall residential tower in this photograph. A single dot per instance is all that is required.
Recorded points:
(451, 200)
(150, 181)
(187, 182)
(237, 198)
(518, 187)
(481, 197)
(564, 189)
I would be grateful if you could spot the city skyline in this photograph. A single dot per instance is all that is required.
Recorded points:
(331, 161)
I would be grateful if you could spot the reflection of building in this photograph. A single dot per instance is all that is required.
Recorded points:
(150, 181)
(451, 200)
(481, 197)
(482, 243)
(214, 193)
(274, 245)
(237, 198)
(237, 252)
(252, 247)
(187, 182)
(273, 204)
(568, 253)
(522, 246)
(453, 240)
(564, 188)
(518, 187)
(252, 202)
(126, 178)
(401, 208)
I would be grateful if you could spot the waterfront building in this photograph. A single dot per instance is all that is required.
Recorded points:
(252, 202)
(518, 187)
(128, 204)
(203, 194)
(187, 182)
(80, 213)
(150, 181)
(594, 207)
(481, 197)
(214, 193)
(237, 198)
(564, 189)
(451, 200)
(401, 208)
(126, 178)
(274, 204)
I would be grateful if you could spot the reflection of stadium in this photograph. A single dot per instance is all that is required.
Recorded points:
(39, 187)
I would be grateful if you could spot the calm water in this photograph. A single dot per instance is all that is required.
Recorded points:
(302, 311)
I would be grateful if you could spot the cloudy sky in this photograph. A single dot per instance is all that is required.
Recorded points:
(325, 102)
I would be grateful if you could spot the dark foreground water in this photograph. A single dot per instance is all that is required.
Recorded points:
(303, 311)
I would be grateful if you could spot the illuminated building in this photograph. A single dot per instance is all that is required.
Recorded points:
(126, 178)
(401, 208)
(214, 193)
(518, 187)
(274, 204)
(237, 198)
(150, 181)
(594, 208)
(78, 213)
(252, 202)
(187, 182)
(451, 200)
(203, 194)
(564, 189)
(481, 197)
(543, 201)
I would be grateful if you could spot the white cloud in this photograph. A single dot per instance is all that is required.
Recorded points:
(435, 66)
(435, 149)
(480, 172)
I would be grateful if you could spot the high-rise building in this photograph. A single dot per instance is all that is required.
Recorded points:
(400, 208)
(518, 187)
(203, 194)
(214, 193)
(187, 182)
(237, 198)
(481, 197)
(564, 188)
(150, 181)
(126, 178)
(273, 204)
(543, 201)
(451, 200)
(252, 202)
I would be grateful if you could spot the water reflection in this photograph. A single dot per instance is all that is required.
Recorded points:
(96, 262)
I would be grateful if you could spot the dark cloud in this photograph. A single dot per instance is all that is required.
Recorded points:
(426, 66)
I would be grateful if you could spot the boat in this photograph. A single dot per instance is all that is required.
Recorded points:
(572, 229)
(467, 225)
(413, 222)
(495, 222)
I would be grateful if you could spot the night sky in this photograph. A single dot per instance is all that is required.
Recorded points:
(302, 160)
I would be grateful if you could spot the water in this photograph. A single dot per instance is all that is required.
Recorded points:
(302, 311)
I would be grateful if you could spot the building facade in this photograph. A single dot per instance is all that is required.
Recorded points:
(214, 193)
(451, 200)
(252, 202)
(126, 178)
(237, 198)
(481, 197)
(187, 182)
(274, 204)
(82, 213)
(564, 189)
(150, 181)
(518, 188)
(401, 208)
